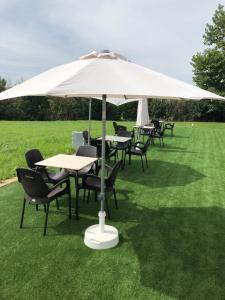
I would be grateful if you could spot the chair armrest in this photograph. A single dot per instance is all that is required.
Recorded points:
(91, 176)
(138, 147)
(66, 180)
(106, 166)
(136, 144)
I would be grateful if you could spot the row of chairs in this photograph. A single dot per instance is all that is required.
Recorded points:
(126, 148)
(41, 186)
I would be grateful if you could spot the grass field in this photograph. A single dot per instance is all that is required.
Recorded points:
(171, 221)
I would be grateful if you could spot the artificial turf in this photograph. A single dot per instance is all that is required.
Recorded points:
(171, 221)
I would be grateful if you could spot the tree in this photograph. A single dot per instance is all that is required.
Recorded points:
(2, 84)
(209, 66)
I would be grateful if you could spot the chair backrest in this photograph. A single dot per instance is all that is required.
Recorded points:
(85, 136)
(124, 133)
(33, 156)
(87, 150)
(146, 145)
(33, 183)
(156, 124)
(110, 180)
(115, 127)
(99, 148)
(121, 128)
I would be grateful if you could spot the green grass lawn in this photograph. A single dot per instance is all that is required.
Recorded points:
(171, 221)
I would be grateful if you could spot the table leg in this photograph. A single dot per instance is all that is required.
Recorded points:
(77, 195)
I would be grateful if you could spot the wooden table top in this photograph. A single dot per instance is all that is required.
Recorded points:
(115, 138)
(66, 161)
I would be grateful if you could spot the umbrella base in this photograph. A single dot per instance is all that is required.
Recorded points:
(96, 239)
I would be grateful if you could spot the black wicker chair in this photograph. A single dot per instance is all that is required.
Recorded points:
(85, 137)
(170, 126)
(158, 134)
(93, 182)
(109, 151)
(118, 128)
(139, 149)
(123, 146)
(38, 192)
(33, 156)
(88, 151)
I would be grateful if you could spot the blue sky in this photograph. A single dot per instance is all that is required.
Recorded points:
(159, 34)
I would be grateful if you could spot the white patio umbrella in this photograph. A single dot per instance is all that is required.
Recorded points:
(102, 75)
(142, 113)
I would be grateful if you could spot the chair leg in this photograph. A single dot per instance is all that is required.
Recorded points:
(96, 196)
(107, 206)
(125, 158)
(142, 164)
(114, 193)
(45, 208)
(69, 203)
(88, 197)
(21, 221)
(122, 158)
(57, 203)
(36, 207)
(84, 195)
(129, 158)
(46, 219)
(146, 160)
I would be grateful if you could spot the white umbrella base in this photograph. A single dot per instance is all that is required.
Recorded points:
(95, 239)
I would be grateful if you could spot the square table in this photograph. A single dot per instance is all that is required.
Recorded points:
(116, 138)
(72, 162)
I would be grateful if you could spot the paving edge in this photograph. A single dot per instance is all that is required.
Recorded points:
(7, 181)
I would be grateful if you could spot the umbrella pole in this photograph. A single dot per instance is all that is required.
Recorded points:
(103, 152)
(101, 236)
(102, 214)
(89, 122)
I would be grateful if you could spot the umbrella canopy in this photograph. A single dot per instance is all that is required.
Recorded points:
(106, 73)
(142, 113)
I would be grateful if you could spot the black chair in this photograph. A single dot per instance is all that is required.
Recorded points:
(156, 123)
(118, 128)
(33, 156)
(123, 146)
(170, 126)
(146, 131)
(38, 192)
(88, 151)
(109, 151)
(139, 149)
(158, 134)
(85, 137)
(93, 182)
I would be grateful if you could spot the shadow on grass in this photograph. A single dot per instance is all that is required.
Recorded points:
(160, 174)
(181, 250)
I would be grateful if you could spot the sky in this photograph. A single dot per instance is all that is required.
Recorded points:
(159, 34)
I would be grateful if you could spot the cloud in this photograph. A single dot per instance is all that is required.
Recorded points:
(162, 35)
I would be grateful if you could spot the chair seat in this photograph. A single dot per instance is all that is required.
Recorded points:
(81, 172)
(135, 150)
(56, 177)
(56, 192)
(93, 182)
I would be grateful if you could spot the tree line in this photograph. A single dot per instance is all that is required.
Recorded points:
(208, 73)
